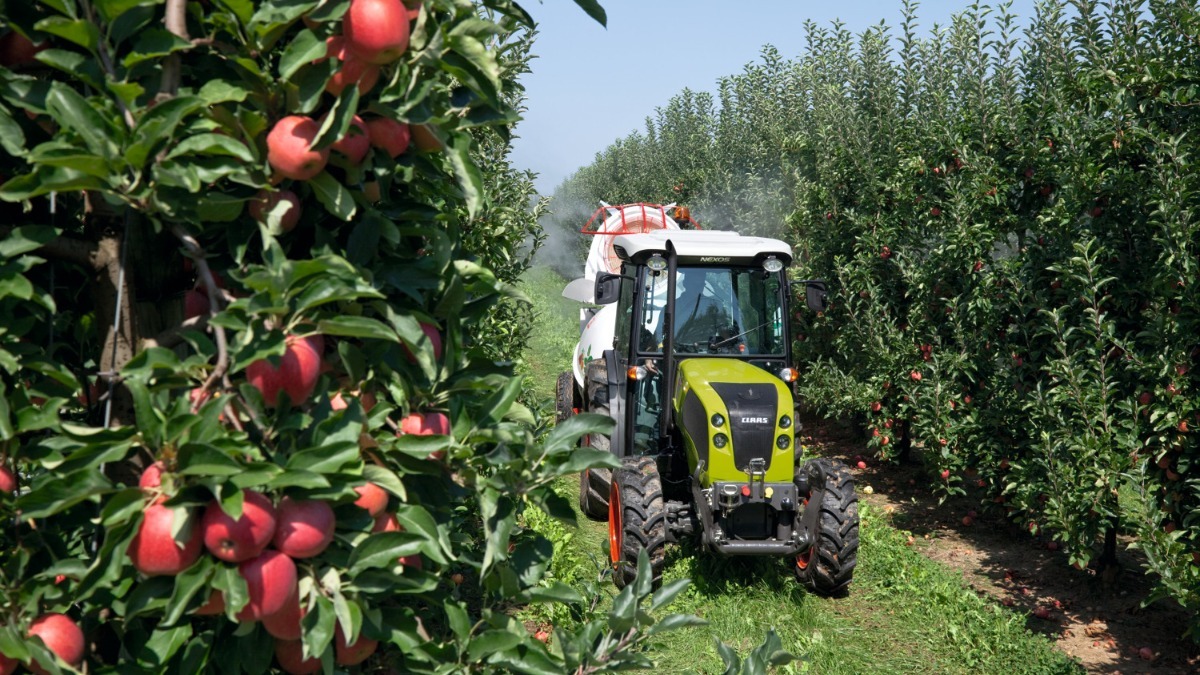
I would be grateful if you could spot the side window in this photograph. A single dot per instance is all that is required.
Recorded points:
(624, 314)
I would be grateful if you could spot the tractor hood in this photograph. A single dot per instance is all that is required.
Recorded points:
(731, 413)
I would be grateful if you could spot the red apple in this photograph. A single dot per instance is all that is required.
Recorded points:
(945, 474)
(213, 606)
(296, 374)
(270, 582)
(290, 655)
(862, 465)
(426, 139)
(61, 635)
(304, 527)
(876, 406)
(8, 480)
(915, 375)
(386, 522)
(389, 135)
(195, 303)
(352, 654)
(18, 51)
(289, 148)
(372, 498)
(242, 539)
(967, 520)
(376, 31)
(426, 424)
(353, 70)
(265, 202)
(285, 624)
(154, 551)
(152, 476)
(356, 143)
(431, 332)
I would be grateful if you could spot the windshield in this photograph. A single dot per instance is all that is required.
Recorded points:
(717, 311)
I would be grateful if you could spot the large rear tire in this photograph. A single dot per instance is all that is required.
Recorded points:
(828, 566)
(636, 520)
(595, 484)
(565, 398)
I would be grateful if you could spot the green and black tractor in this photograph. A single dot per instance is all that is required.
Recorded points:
(689, 352)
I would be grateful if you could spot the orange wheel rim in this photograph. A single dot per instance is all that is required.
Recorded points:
(803, 559)
(615, 530)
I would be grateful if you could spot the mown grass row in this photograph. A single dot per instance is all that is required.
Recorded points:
(905, 613)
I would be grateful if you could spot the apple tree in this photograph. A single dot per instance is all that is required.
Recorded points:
(247, 416)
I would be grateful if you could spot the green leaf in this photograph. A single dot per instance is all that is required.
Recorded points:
(328, 458)
(386, 479)
(357, 326)
(336, 199)
(26, 238)
(221, 91)
(212, 144)
(12, 137)
(470, 180)
(47, 179)
(416, 519)
(304, 49)
(163, 644)
(594, 10)
(556, 592)
(187, 584)
(675, 622)
(111, 10)
(383, 549)
(81, 32)
(155, 43)
(492, 642)
(663, 596)
(74, 112)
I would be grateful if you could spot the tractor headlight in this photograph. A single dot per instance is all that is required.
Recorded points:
(789, 375)
(783, 442)
(772, 264)
(718, 420)
(785, 422)
(637, 373)
(657, 263)
(720, 440)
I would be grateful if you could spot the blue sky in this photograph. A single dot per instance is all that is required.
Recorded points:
(591, 85)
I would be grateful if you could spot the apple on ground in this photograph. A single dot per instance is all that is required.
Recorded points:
(266, 201)
(270, 583)
(289, 148)
(296, 374)
(61, 636)
(154, 550)
(242, 539)
(304, 527)
(290, 655)
(372, 498)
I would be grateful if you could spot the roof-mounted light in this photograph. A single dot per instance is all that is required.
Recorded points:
(772, 264)
(657, 262)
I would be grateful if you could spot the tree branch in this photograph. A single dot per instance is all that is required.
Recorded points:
(176, 22)
(196, 253)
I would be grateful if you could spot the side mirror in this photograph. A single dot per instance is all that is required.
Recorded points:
(608, 288)
(815, 294)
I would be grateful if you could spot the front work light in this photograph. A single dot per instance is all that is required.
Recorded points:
(772, 264)
(657, 263)
(720, 440)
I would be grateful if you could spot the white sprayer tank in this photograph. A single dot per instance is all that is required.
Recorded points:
(598, 327)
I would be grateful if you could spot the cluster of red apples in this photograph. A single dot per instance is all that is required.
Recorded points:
(375, 33)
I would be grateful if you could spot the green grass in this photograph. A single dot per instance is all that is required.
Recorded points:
(905, 613)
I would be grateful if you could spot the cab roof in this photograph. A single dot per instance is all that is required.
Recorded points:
(701, 247)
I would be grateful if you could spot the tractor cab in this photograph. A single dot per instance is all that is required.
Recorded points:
(685, 295)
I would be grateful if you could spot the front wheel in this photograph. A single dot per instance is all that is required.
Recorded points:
(636, 520)
(565, 399)
(828, 566)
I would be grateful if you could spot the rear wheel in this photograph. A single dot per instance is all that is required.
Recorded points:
(595, 484)
(565, 399)
(636, 519)
(828, 566)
